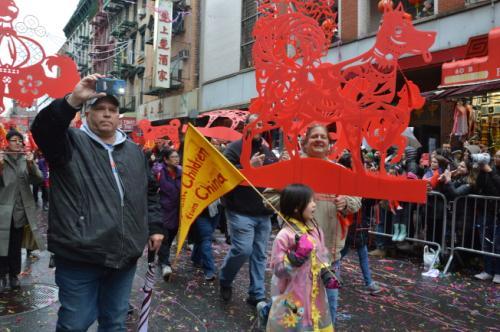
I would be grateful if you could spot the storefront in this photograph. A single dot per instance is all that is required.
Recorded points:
(474, 81)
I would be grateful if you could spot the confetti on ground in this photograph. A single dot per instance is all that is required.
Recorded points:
(409, 302)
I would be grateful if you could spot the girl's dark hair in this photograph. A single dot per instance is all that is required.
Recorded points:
(166, 153)
(294, 200)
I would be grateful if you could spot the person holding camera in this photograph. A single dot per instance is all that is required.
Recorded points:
(488, 184)
(103, 200)
(18, 171)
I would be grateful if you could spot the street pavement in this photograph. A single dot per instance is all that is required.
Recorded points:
(409, 302)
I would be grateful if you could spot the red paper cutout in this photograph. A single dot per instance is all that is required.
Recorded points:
(237, 119)
(296, 89)
(151, 133)
(30, 144)
(3, 137)
(22, 60)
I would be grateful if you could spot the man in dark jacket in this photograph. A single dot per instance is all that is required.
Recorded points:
(102, 197)
(249, 224)
(488, 184)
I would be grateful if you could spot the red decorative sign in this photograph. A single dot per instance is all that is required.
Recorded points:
(296, 88)
(477, 69)
(152, 133)
(128, 123)
(22, 61)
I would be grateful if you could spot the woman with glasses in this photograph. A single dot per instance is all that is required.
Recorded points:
(168, 173)
(17, 206)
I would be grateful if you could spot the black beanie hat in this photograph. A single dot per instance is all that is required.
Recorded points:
(12, 132)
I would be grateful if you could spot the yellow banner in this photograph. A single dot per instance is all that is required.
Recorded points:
(206, 176)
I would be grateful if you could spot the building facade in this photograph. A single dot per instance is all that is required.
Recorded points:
(227, 79)
(123, 41)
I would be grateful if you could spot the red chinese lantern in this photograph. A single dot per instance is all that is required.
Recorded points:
(382, 4)
(415, 3)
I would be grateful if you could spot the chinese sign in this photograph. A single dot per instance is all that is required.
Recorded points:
(162, 43)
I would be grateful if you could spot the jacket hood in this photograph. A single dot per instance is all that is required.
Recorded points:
(120, 136)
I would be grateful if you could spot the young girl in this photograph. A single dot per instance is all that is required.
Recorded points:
(299, 263)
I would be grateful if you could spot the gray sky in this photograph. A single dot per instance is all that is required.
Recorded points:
(52, 15)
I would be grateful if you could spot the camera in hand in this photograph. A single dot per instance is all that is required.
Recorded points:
(480, 159)
(111, 86)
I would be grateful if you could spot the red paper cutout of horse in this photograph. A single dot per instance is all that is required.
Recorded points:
(22, 61)
(151, 133)
(296, 89)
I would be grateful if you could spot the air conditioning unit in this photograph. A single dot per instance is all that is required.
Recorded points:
(472, 2)
(141, 12)
(489, 110)
(183, 54)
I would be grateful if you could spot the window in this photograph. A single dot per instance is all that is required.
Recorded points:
(248, 19)
(131, 55)
(421, 8)
(143, 40)
(370, 16)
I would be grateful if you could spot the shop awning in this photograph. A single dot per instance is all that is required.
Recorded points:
(465, 90)
(474, 71)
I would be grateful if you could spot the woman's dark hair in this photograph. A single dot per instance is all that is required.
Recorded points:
(294, 200)
(442, 161)
(166, 153)
(346, 160)
(472, 173)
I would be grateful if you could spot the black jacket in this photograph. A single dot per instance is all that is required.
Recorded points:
(87, 220)
(455, 188)
(488, 184)
(244, 199)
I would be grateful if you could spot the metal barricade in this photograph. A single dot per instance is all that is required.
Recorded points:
(475, 226)
(424, 223)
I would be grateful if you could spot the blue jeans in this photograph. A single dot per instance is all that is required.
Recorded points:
(383, 227)
(204, 227)
(90, 292)
(363, 262)
(249, 237)
(333, 294)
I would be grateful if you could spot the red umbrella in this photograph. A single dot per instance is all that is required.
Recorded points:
(222, 133)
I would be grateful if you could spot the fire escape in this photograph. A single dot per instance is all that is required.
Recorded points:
(121, 29)
(102, 48)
